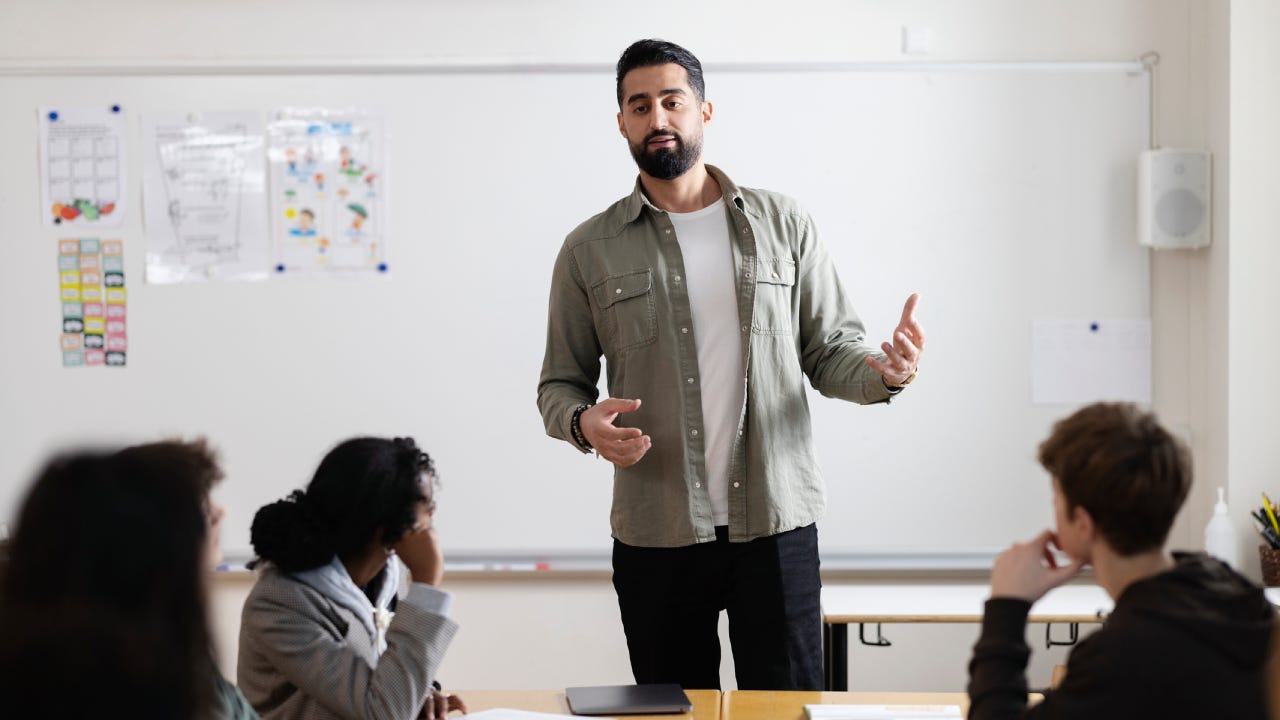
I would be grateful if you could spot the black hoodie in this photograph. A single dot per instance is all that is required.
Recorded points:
(1191, 642)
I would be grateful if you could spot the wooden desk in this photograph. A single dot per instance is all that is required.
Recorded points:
(962, 603)
(779, 705)
(706, 703)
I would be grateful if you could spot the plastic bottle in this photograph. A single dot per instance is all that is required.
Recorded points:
(1220, 534)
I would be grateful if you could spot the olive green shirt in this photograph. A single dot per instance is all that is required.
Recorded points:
(618, 292)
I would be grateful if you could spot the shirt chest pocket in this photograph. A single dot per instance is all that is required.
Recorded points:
(775, 283)
(626, 303)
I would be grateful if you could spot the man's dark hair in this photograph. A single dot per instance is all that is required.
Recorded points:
(362, 486)
(646, 53)
(104, 593)
(1127, 471)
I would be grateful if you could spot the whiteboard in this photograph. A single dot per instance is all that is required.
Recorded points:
(1001, 195)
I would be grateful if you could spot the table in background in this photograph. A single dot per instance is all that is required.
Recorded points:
(706, 703)
(882, 604)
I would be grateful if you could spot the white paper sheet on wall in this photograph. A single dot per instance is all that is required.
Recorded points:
(204, 197)
(82, 166)
(1081, 361)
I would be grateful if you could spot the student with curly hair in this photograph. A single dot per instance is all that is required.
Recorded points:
(334, 628)
(103, 606)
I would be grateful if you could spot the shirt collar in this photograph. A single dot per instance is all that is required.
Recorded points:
(637, 200)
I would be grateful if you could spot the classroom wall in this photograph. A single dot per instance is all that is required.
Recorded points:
(1202, 331)
(1253, 415)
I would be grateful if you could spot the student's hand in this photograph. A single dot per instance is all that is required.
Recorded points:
(622, 446)
(902, 356)
(440, 705)
(420, 551)
(1028, 570)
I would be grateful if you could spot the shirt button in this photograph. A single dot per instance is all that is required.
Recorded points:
(618, 291)
(775, 274)
(684, 330)
(668, 231)
(748, 277)
(694, 432)
(744, 328)
(677, 278)
(690, 381)
(697, 484)
(735, 484)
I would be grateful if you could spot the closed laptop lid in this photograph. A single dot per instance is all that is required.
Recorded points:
(628, 699)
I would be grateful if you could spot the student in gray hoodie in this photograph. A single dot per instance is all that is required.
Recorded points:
(346, 620)
(1189, 637)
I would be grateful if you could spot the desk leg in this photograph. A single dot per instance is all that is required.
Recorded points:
(835, 652)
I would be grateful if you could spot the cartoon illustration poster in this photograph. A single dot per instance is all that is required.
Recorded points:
(82, 166)
(328, 200)
(91, 288)
(203, 197)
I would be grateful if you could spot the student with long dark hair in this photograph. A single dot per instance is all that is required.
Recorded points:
(333, 628)
(103, 603)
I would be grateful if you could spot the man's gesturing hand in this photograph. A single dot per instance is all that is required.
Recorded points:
(902, 356)
(622, 446)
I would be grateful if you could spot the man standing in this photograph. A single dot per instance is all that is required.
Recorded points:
(710, 303)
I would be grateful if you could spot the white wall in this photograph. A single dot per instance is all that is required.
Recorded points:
(1253, 415)
(1193, 339)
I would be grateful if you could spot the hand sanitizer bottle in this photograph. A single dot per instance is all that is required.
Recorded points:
(1220, 534)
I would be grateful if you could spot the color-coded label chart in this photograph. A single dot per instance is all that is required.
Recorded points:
(92, 290)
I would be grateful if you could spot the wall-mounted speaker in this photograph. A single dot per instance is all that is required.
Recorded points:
(1174, 198)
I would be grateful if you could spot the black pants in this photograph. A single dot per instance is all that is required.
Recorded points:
(671, 600)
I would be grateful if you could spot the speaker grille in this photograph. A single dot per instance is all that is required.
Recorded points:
(1179, 212)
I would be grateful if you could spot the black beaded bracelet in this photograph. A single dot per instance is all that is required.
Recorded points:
(575, 427)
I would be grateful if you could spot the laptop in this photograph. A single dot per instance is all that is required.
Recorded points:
(628, 699)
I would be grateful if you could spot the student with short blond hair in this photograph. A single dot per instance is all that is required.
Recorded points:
(1189, 637)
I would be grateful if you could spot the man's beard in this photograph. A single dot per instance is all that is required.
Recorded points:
(666, 163)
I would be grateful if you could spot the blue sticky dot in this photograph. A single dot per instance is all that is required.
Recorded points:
(1093, 327)
(53, 116)
(115, 108)
(382, 267)
(280, 267)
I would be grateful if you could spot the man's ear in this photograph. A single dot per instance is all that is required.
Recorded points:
(706, 112)
(622, 128)
(1084, 523)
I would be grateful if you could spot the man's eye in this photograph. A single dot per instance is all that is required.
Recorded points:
(641, 108)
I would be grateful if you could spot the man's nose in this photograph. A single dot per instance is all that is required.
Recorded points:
(658, 119)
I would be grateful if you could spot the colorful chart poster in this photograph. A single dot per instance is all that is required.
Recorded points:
(328, 207)
(82, 166)
(91, 288)
(203, 197)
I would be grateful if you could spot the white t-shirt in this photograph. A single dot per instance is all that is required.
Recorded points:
(713, 300)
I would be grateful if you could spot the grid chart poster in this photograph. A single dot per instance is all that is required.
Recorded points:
(328, 204)
(82, 166)
(91, 288)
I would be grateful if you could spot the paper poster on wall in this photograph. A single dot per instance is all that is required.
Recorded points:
(1082, 361)
(82, 166)
(328, 200)
(204, 199)
(92, 291)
